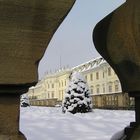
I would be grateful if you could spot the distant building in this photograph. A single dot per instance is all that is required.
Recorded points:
(51, 87)
(102, 81)
(100, 77)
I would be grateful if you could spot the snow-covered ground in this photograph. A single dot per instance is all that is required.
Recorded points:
(44, 123)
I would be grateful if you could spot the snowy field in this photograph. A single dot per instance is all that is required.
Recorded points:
(44, 123)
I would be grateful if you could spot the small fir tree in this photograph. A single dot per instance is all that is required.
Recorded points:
(24, 100)
(77, 96)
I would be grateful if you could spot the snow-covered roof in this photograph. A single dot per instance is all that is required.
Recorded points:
(58, 73)
(94, 63)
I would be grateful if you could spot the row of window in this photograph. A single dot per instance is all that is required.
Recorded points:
(97, 75)
(61, 94)
(61, 84)
(50, 85)
(50, 95)
(102, 89)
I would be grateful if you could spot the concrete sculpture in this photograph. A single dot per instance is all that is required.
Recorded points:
(117, 39)
(26, 27)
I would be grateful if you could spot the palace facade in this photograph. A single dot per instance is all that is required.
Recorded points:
(103, 83)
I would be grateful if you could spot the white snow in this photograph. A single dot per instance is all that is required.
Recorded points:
(44, 123)
(24, 99)
(76, 76)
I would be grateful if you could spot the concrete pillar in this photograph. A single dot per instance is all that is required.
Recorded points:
(26, 28)
(9, 117)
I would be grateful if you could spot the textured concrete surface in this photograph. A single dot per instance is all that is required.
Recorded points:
(26, 27)
(9, 118)
(117, 39)
(124, 43)
(136, 134)
(12, 137)
(120, 35)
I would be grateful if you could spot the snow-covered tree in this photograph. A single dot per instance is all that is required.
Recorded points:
(24, 100)
(77, 96)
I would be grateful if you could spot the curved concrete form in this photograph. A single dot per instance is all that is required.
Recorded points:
(117, 38)
(26, 28)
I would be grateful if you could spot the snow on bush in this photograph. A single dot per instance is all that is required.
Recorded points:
(77, 96)
(24, 100)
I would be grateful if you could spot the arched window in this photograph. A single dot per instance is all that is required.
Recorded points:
(98, 89)
(91, 77)
(62, 83)
(103, 74)
(59, 95)
(110, 87)
(103, 86)
(109, 71)
(52, 94)
(91, 89)
(97, 75)
(86, 77)
(117, 86)
(62, 94)
(48, 95)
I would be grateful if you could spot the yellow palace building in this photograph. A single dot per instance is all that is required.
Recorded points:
(103, 83)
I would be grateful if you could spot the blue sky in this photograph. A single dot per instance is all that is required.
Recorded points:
(72, 43)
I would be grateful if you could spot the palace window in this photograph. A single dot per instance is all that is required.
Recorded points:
(110, 88)
(109, 71)
(48, 95)
(62, 94)
(91, 88)
(97, 89)
(91, 91)
(91, 77)
(52, 85)
(53, 94)
(59, 95)
(97, 75)
(103, 89)
(86, 77)
(103, 74)
(116, 87)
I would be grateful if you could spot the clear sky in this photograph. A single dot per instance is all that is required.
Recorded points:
(72, 43)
